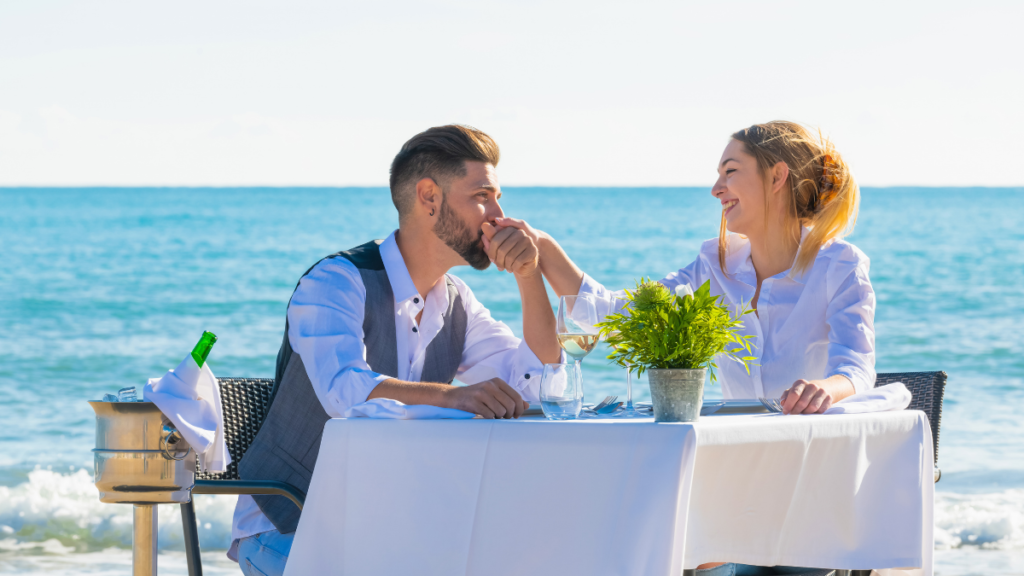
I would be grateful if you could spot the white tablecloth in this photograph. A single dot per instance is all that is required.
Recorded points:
(486, 497)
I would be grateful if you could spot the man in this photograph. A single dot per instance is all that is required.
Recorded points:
(386, 320)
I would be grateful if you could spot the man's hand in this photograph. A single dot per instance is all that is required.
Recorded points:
(491, 399)
(806, 397)
(511, 244)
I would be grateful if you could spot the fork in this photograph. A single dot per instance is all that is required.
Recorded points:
(608, 400)
(772, 404)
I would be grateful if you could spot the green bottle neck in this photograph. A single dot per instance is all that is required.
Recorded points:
(203, 347)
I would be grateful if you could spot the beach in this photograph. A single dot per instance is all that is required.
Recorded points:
(107, 287)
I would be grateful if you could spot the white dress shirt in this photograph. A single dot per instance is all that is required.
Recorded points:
(325, 327)
(811, 326)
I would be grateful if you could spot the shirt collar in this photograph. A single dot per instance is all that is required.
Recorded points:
(398, 273)
(737, 257)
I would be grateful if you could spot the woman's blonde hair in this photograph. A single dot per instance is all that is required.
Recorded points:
(823, 195)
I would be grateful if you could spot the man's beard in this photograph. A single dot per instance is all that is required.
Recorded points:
(460, 238)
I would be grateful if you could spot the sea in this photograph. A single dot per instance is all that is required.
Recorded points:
(105, 287)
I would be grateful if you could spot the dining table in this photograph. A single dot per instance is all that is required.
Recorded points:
(618, 496)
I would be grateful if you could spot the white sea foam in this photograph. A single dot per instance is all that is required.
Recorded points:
(57, 513)
(992, 521)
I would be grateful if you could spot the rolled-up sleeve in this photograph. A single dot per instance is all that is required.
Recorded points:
(608, 302)
(851, 320)
(493, 351)
(325, 328)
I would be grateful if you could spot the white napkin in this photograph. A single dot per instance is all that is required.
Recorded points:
(189, 397)
(886, 398)
(386, 408)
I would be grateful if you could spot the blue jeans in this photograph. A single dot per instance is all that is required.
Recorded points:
(747, 570)
(264, 554)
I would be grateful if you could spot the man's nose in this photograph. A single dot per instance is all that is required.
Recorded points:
(494, 212)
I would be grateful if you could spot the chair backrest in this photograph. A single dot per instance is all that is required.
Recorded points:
(245, 402)
(927, 389)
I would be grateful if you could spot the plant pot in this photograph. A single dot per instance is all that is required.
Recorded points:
(677, 394)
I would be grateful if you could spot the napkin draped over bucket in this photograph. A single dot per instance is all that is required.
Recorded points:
(886, 398)
(190, 398)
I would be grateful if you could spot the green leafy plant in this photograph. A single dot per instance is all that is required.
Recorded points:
(663, 330)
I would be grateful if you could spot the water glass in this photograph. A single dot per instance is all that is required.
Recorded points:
(561, 391)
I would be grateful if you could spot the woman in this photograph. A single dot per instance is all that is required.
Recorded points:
(787, 199)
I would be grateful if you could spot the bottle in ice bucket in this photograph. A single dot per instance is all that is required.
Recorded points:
(203, 347)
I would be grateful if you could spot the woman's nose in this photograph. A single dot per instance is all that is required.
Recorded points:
(718, 188)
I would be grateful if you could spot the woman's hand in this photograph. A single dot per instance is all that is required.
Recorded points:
(563, 275)
(512, 248)
(805, 397)
(815, 396)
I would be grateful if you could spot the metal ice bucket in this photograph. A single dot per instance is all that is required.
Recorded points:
(138, 458)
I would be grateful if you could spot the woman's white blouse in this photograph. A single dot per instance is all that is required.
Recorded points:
(812, 326)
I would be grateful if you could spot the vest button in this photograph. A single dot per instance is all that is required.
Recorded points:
(414, 329)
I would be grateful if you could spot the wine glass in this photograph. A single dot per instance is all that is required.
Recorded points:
(577, 333)
(561, 395)
(629, 411)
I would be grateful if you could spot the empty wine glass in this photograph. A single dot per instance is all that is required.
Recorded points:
(561, 395)
(629, 411)
(577, 333)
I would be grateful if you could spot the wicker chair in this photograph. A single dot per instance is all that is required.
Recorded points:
(246, 402)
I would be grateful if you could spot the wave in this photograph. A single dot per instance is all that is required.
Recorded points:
(54, 513)
(992, 521)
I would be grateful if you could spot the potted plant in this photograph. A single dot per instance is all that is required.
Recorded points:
(676, 339)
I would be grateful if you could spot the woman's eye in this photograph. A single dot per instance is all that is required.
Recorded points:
(730, 170)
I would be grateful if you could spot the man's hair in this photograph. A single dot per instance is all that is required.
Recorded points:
(439, 153)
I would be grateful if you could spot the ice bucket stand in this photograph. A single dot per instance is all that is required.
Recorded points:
(141, 460)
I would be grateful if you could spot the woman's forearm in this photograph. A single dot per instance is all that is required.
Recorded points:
(538, 319)
(838, 387)
(563, 275)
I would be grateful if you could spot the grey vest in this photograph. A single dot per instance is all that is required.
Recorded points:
(286, 447)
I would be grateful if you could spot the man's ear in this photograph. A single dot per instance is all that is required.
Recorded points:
(428, 196)
(780, 175)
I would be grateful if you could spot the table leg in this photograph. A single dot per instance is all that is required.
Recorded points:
(144, 533)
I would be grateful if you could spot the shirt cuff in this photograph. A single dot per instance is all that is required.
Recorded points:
(860, 381)
(355, 386)
(591, 287)
(527, 371)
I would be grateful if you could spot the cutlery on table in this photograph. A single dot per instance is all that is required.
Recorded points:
(608, 400)
(772, 404)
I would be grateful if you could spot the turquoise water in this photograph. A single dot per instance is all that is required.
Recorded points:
(103, 288)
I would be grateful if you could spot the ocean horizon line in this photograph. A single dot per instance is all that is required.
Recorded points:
(638, 187)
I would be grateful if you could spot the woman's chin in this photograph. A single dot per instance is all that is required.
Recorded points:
(735, 228)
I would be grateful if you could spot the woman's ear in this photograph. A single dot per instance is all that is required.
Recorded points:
(428, 196)
(780, 174)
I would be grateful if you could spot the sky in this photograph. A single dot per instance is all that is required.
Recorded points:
(598, 93)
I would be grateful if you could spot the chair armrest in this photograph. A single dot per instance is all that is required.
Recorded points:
(270, 487)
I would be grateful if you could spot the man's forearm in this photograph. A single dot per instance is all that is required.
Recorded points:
(563, 275)
(538, 319)
(410, 392)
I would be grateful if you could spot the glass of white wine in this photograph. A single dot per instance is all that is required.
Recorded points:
(577, 333)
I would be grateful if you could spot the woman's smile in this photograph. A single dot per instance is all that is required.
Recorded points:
(728, 205)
